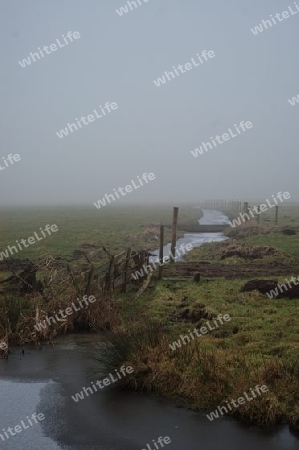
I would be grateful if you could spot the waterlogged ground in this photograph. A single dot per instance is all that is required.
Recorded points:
(44, 381)
(110, 419)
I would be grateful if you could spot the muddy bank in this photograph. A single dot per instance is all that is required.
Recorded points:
(231, 272)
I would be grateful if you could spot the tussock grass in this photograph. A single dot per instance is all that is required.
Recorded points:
(258, 346)
(129, 348)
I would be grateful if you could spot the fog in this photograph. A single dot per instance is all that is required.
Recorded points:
(153, 129)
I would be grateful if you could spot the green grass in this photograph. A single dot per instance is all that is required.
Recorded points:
(265, 323)
(288, 244)
(258, 346)
(288, 214)
(115, 227)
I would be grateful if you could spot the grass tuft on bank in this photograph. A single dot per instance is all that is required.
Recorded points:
(258, 346)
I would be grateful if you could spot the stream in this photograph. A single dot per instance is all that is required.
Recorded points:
(210, 217)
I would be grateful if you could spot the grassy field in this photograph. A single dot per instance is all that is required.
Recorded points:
(66, 261)
(115, 227)
(259, 345)
(288, 214)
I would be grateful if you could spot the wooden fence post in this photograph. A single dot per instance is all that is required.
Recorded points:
(173, 238)
(128, 256)
(276, 215)
(258, 215)
(246, 210)
(90, 280)
(161, 251)
(111, 275)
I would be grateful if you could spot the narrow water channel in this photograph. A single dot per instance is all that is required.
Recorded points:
(210, 217)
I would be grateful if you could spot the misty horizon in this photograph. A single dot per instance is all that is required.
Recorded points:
(90, 58)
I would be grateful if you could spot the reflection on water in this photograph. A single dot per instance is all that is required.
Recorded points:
(19, 400)
(44, 381)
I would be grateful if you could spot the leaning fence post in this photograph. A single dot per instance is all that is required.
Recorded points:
(111, 275)
(128, 257)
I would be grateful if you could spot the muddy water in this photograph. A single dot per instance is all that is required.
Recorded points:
(44, 381)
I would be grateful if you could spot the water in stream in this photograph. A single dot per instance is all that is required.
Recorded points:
(210, 217)
(44, 381)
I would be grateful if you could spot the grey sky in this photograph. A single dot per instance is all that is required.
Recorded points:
(154, 129)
